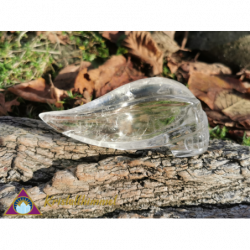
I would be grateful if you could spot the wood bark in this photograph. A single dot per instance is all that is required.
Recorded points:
(144, 183)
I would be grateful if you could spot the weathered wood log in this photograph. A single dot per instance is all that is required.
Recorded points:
(206, 212)
(66, 178)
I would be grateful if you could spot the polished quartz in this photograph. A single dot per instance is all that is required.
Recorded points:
(147, 113)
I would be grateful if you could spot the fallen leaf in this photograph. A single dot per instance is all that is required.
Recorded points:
(38, 91)
(78, 79)
(80, 102)
(238, 134)
(142, 46)
(225, 96)
(165, 42)
(239, 114)
(186, 68)
(218, 117)
(85, 81)
(205, 68)
(67, 76)
(207, 87)
(55, 36)
(5, 107)
(56, 93)
(170, 34)
(116, 72)
(244, 74)
(114, 35)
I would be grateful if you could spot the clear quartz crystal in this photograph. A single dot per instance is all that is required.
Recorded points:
(148, 113)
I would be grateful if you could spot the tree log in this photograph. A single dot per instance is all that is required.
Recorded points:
(101, 182)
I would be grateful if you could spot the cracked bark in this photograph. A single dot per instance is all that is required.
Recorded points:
(147, 183)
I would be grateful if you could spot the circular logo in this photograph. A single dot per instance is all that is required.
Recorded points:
(23, 205)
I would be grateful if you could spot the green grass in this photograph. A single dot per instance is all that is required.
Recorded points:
(24, 56)
(246, 140)
(218, 133)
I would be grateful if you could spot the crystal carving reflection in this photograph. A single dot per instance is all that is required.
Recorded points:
(147, 113)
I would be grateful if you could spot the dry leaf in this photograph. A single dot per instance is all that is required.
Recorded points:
(78, 79)
(207, 87)
(165, 42)
(227, 99)
(67, 76)
(235, 133)
(55, 36)
(5, 107)
(217, 116)
(186, 68)
(244, 74)
(170, 34)
(80, 102)
(239, 114)
(85, 81)
(38, 91)
(142, 46)
(116, 72)
(205, 68)
(113, 35)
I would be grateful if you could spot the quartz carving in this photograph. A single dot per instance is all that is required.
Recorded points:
(148, 113)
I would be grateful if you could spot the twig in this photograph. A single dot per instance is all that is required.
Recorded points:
(184, 41)
(20, 37)
(4, 35)
(44, 51)
(50, 81)
(196, 56)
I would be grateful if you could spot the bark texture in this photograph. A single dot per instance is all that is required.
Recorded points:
(203, 212)
(149, 183)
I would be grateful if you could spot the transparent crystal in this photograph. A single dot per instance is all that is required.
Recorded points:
(148, 113)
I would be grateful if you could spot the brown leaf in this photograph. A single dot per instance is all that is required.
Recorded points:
(174, 62)
(83, 82)
(56, 93)
(228, 98)
(238, 134)
(205, 68)
(80, 101)
(207, 87)
(165, 42)
(170, 34)
(244, 74)
(78, 79)
(185, 69)
(239, 114)
(5, 107)
(113, 35)
(67, 76)
(55, 36)
(38, 91)
(116, 72)
(142, 46)
(217, 116)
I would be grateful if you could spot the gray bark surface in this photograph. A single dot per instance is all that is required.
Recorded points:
(48, 164)
(201, 212)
